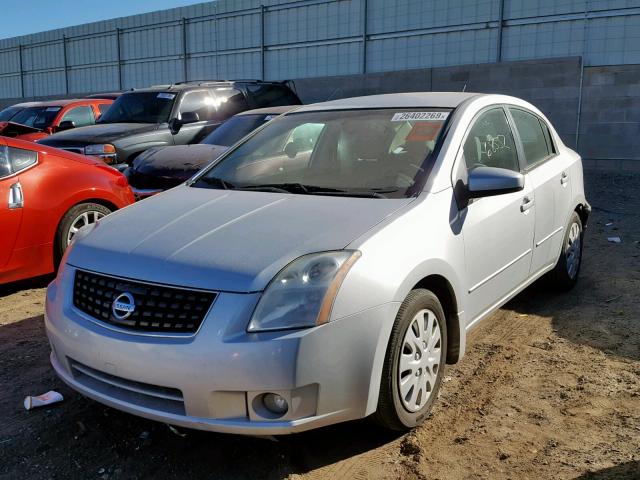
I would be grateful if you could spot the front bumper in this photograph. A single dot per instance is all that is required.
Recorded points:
(213, 380)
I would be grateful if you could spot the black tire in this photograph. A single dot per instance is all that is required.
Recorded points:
(74, 213)
(391, 412)
(563, 278)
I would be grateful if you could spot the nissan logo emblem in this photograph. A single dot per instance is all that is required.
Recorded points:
(123, 306)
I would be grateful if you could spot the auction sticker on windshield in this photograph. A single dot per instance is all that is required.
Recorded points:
(419, 116)
(166, 96)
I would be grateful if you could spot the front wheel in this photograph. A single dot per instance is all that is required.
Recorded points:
(414, 362)
(565, 275)
(77, 217)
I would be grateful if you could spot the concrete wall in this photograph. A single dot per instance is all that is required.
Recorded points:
(610, 118)
(609, 126)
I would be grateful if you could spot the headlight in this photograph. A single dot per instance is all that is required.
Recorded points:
(302, 294)
(106, 151)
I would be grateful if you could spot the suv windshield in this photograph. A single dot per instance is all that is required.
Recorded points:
(8, 113)
(235, 128)
(140, 107)
(36, 117)
(383, 153)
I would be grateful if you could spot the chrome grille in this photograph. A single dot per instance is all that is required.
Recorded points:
(156, 308)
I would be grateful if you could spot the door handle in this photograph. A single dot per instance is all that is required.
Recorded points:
(16, 198)
(527, 203)
(564, 179)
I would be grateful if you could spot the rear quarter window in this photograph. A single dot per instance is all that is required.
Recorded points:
(272, 95)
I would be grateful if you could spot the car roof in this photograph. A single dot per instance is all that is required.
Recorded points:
(395, 100)
(269, 110)
(56, 103)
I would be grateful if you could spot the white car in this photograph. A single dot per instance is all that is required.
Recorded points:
(324, 269)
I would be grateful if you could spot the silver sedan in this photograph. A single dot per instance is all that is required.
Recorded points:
(324, 269)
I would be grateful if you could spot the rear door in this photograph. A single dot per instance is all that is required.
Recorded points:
(10, 208)
(546, 174)
(498, 229)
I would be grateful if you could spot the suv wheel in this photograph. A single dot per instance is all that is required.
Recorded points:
(414, 362)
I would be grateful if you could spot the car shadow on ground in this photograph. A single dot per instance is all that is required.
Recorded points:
(90, 437)
(626, 471)
(16, 287)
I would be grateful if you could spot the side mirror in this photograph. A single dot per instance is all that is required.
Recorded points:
(291, 149)
(175, 124)
(488, 181)
(189, 117)
(66, 125)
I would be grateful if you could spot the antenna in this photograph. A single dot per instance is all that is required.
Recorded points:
(464, 89)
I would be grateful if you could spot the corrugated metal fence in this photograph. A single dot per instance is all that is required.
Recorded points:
(280, 39)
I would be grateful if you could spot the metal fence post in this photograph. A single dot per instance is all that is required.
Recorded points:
(185, 67)
(262, 67)
(500, 27)
(66, 66)
(21, 71)
(118, 49)
(364, 36)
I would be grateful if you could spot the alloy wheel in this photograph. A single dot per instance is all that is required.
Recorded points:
(420, 359)
(82, 220)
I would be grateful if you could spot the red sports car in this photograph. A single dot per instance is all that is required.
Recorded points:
(35, 120)
(46, 196)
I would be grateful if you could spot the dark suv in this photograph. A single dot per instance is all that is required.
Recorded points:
(177, 114)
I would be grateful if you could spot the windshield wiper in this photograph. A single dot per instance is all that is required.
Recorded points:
(278, 187)
(371, 193)
(215, 181)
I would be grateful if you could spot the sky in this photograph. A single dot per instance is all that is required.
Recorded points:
(31, 16)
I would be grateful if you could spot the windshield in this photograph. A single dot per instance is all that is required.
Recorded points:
(8, 113)
(366, 153)
(140, 107)
(235, 128)
(36, 117)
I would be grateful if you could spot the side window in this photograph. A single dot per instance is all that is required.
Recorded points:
(80, 116)
(228, 102)
(199, 102)
(305, 136)
(548, 138)
(532, 136)
(490, 142)
(270, 95)
(103, 107)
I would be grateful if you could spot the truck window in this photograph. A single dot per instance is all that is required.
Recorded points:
(270, 95)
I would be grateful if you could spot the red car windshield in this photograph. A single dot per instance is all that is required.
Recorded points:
(36, 117)
(8, 113)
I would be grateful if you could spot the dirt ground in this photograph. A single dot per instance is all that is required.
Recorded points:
(549, 388)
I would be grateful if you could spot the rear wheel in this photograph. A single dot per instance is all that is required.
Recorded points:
(565, 275)
(77, 217)
(414, 362)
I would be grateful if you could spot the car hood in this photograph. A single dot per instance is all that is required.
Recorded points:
(102, 133)
(223, 240)
(181, 160)
(11, 129)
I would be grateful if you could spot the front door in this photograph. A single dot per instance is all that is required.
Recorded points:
(10, 215)
(202, 103)
(497, 230)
